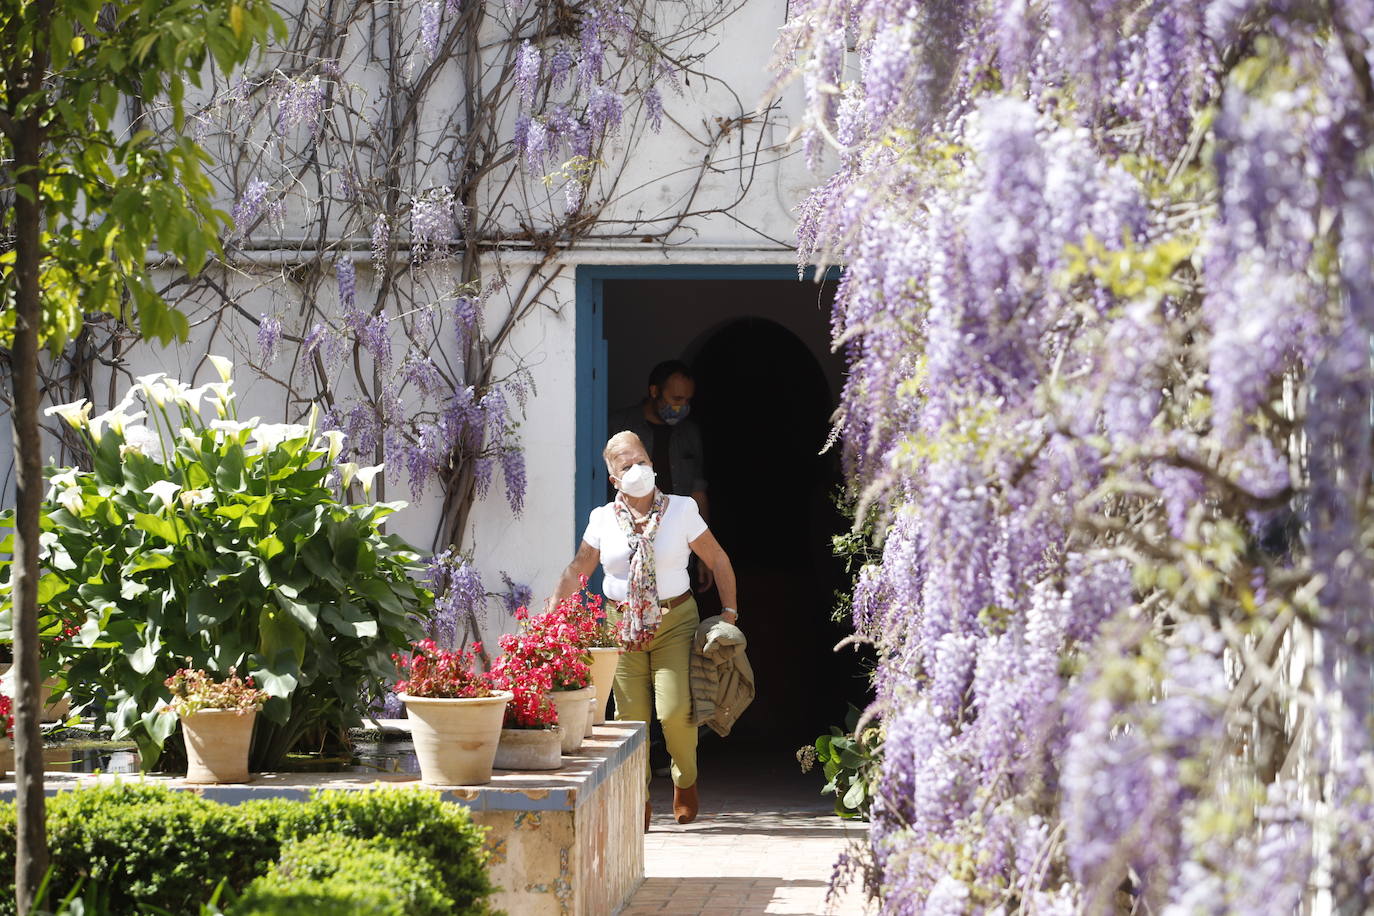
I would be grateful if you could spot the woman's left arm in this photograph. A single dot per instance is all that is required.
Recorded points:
(713, 555)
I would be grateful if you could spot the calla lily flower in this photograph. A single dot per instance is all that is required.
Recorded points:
(65, 479)
(77, 413)
(164, 490)
(334, 438)
(223, 366)
(366, 476)
(72, 500)
(346, 472)
(196, 497)
(269, 435)
(233, 427)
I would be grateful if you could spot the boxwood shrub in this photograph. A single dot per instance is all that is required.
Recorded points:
(147, 846)
(346, 876)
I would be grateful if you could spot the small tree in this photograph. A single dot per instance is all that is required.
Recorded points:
(88, 196)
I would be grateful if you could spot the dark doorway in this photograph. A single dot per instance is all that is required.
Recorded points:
(766, 390)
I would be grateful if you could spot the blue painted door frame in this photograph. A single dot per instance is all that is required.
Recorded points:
(592, 360)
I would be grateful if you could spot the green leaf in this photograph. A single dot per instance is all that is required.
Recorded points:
(348, 620)
(143, 659)
(161, 558)
(49, 587)
(207, 608)
(171, 529)
(854, 798)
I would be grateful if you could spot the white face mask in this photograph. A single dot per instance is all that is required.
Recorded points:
(637, 481)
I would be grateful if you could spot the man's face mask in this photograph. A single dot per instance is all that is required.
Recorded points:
(637, 481)
(673, 415)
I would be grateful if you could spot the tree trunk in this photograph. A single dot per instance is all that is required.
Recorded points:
(31, 854)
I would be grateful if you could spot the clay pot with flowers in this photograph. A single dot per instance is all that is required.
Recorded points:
(455, 713)
(7, 738)
(545, 663)
(216, 723)
(598, 637)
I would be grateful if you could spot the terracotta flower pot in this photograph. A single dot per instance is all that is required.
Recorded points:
(217, 743)
(54, 709)
(6, 756)
(573, 710)
(591, 714)
(455, 738)
(530, 749)
(604, 662)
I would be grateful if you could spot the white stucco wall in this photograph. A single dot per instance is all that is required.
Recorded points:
(534, 547)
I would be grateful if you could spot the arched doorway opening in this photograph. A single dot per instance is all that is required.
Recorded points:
(764, 405)
(759, 342)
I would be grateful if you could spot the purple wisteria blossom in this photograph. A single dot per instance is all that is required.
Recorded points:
(269, 337)
(300, 103)
(381, 243)
(431, 18)
(432, 221)
(516, 595)
(527, 62)
(348, 280)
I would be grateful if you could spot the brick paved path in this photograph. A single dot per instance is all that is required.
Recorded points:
(765, 842)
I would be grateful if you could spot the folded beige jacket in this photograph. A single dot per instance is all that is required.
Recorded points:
(722, 680)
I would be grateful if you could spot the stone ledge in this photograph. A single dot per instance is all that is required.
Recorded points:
(563, 789)
(565, 842)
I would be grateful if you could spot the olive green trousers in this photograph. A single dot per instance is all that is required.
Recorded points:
(659, 678)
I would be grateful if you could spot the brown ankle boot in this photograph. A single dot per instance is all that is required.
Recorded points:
(685, 804)
(648, 810)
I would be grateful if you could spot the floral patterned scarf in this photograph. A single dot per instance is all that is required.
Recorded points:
(641, 613)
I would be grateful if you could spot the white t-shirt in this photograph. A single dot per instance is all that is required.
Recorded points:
(681, 524)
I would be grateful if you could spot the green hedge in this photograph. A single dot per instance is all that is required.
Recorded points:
(148, 846)
(346, 876)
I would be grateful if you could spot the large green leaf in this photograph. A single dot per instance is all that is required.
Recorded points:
(168, 528)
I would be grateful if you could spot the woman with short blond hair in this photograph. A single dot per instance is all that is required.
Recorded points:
(643, 539)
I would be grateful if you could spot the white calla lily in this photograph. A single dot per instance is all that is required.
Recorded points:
(72, 500)
(191, 397)
(334, 439)
(66, 478)
(346, 472)
(196, 497)
(233, 427)
(165, 490)
(77, 413)
(223, 366)
(221, 393)
(366, 476)
(116, 420)
(269, 435)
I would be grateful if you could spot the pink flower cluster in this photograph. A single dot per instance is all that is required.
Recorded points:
(194, 690)
(7, 715)
(548, 653)
(447, 673)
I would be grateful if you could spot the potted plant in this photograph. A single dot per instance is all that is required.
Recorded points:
(455, 714)
(531, 738)
(216, 723)
(52, 696)
(599, 639)
(549, 650)
(200, 540)
(7, 739)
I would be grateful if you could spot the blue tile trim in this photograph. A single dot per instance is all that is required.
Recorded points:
(510, 796)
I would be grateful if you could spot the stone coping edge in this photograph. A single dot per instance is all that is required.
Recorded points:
(564, 789)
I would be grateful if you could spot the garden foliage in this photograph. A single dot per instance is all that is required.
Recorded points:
(139, 847)
(1107, 302)
(219, 544)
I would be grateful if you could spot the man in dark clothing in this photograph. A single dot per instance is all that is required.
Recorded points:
(671, 437)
